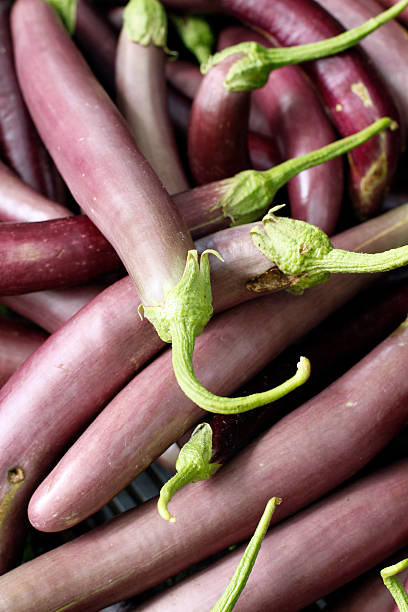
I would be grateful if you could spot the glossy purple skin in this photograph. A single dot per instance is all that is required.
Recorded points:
(146, 110)
(20, 202)
(299, 124)
(140, 549)
(106, 173)
(312, 553)
(17, 342)
(218, 128)
(20, 146)
(386, 47)
(232, 349)
(50, 254)
(353, 94)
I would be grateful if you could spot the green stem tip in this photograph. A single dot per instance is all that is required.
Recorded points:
(196, 34)
(193, 464)
(252, 70)
(388, 574)
(238, 581)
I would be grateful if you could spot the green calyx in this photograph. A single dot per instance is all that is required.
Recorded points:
(302, 250)
(249, 193)
(186, 310)
(196, 34)
(145, 22)
(193, 464)
(66, 9)
(388, 574)
(252, 70)
(238, 581)
(188, 303)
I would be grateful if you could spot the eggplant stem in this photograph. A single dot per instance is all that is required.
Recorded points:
(252, 70)
(193, 464)
(238, 581)
(183, 341)
(388, 574)
(249, 193)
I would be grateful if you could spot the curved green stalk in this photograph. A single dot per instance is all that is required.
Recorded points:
(196, 34)
(238, 581)
(66, 9)
(252, 70)
(182, 355)
(251, 192)
(302, 250)
(388, 574)
(183, 316)
(193, 464)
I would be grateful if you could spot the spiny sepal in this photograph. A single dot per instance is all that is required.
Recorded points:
(189, 302)
(251, 71)
(192, 465)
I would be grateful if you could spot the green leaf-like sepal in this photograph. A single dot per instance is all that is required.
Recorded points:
(196, 34)
(66, 10)
(189, 302)
(251, 71)
(145, 22)
(248, 194)
(192, 465)
(302, 250)
(295, 247)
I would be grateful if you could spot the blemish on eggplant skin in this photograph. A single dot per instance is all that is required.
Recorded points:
(15, 475)
(350, 404)
(362, 92)
(339, 107)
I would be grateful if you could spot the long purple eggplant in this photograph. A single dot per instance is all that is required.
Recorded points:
(339, 431)
(106, 336)
(299, 123)
(352, 91)
(50, 254)
(218, 129)
(141, 96)
(20, 202)
(386, 47)
(20, 145)
(62, 500)
(311, 553)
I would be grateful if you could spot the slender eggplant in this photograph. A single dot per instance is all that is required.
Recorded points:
(313, 552)
(105, 335)
(50, 254)
(386, 47)
(299, 123)
(117, 188)
(20, 202)
(134, 441)
(352, 91)
(141, 90)
(139, 549)
(20, 145)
